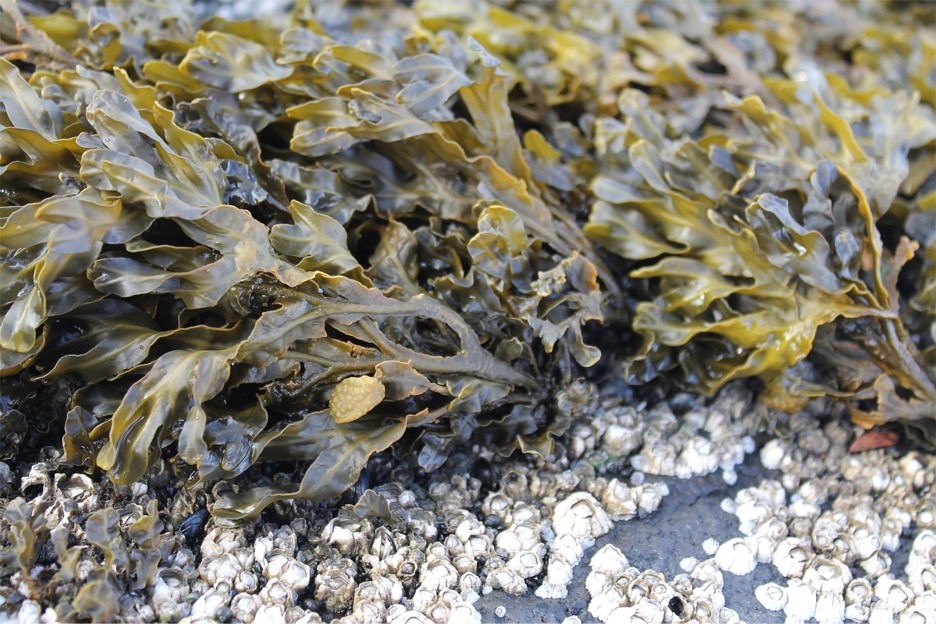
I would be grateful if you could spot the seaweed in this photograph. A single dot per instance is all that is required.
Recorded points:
(378, 226)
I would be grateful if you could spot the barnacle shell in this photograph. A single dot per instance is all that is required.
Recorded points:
(354, 397)
(619, 440)
(246, 582)
(469, 582)
(335, 584)
(801, 600)
(276, 592)
(772, 453)
(737, 556)
(703, 610)
(830, 608)
(865, 540)
(220, 569)
(881, 614)
(894, 593)
(772, 596)
(651, 585)
(438, 574)
(643, 612)
(565, 553)
(168, 593)
(508, 580)
(292, 573)
(219, 541)
(858, 596)
(606, 601)
(792, 556)
(876, 565)
(528, 563)
(827, 575)
(398, 614)
(827, 528)
(919, 613)
(580, 515)
(245, 606)
(498, 504)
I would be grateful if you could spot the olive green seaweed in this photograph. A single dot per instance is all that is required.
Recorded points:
(369, 227)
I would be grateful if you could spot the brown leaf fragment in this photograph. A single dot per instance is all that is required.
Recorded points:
(875, 438)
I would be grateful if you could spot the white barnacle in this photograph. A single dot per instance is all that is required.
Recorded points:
(651, 585)
(275, 592)
(728, 616)
(649, 497)
(702, 609)
(438, 574)
(763, 547)
(580, 515)
(828, 527)
(335, 584)
(605, 601)
(528, 563)
(881, 614)
(423, 598)
(772, 596)
(707, 572)
(245, 606)
(830, 608)
(710, 546)
(382, 544)
(246, 582)
(772, 453)
(922, 551)
(463, 613)
(827, 575)
(220, 569)
(208, 604)
(406, 616)
(294, 574)
(865, 540)
(876, 565)
(791, 556)
(464, 564)
(858, 596)
(478, 545)
(469, 581)
(893, 592)
(919, 614)
(219, 541)
(922, 579)
(801, 600)
(736, 556)
(620, 500)
(507, 580)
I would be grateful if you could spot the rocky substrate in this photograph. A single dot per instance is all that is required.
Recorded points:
(416, 547)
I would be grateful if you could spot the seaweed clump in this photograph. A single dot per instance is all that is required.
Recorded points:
(377, 225)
